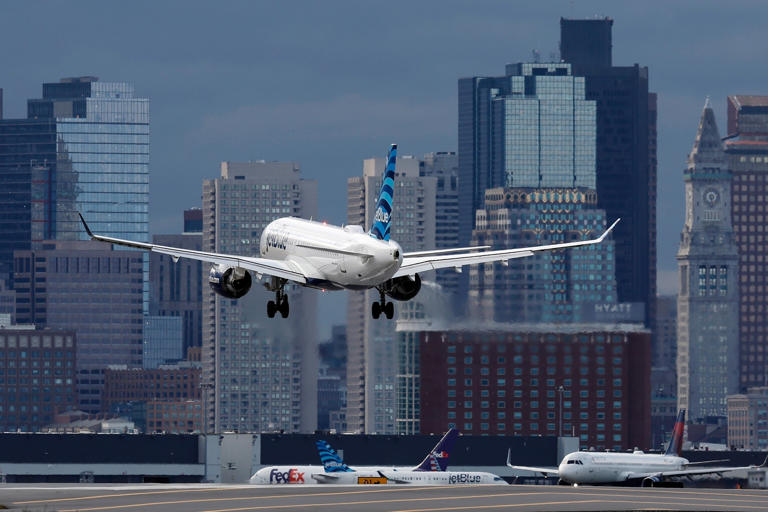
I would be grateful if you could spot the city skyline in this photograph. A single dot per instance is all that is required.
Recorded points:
(365, 90)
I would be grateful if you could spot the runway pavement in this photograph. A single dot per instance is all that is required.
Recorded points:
(222, 498)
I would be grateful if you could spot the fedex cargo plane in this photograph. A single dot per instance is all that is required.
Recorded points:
(318, 255)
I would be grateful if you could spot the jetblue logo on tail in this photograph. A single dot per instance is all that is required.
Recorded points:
(383, 217)
(332, 463)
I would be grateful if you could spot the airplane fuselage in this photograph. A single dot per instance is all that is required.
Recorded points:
(333, 257)
(603, 468)
(302, 475)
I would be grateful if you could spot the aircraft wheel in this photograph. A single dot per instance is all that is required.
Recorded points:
(271, 309)
(284, 308)
(375, 310)
(389, 310)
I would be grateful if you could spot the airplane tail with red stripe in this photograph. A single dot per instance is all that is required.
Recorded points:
(676, 442)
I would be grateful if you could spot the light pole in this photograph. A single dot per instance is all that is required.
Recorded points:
(560, 391)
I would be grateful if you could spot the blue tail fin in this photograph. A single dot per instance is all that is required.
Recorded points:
(383, 216)
(437, 458)
(676, 441)
(332, 463)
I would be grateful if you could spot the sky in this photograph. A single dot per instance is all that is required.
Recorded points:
(328, 84)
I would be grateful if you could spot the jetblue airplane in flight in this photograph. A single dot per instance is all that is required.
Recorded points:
(644, 468)
(327, 257)
(334, 467)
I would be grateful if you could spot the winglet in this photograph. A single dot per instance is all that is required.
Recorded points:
(509, 457)
(765, 463)
(87, 229)
(602, 237)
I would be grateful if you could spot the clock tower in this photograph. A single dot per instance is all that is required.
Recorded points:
(708, 300)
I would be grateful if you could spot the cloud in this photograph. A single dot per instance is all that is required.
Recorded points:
(346, 117)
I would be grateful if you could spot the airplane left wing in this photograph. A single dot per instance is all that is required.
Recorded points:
(257, 265)
(413, 264)
(325, 478)
(535, 469)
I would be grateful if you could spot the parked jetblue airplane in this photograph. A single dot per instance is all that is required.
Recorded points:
(333, 465)
(327, 257)
(644, 468)
(431, 471)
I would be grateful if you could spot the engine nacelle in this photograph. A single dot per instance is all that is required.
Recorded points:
(650, 481)
(402, 288)
(229, 282)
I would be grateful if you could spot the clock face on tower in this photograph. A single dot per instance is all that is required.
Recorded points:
(711, 197)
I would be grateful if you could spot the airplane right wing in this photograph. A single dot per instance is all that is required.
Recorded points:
(413, 264)
(699, 471)
(257, 265)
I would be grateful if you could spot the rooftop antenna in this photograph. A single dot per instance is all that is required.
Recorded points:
(536, 55)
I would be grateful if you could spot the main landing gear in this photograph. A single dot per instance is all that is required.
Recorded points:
(382, 306)
(281, 299)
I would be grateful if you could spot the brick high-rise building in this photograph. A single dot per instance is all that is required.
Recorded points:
(746, 149)
(38, 377)
(589, 380)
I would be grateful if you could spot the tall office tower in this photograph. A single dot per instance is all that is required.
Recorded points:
(259, 373)
(707, 306)
(89, 288)
(532, 128)
(444, 166)
(626, 153)
(83, 147)
(176, 286)
(746, 148)
(563, 286)
(371, 359)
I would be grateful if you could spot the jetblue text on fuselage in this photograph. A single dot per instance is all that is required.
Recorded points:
(463, 478)
(277, 240)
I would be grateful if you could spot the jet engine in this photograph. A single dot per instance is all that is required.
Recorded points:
(650, 481)
(402, 288)
(229, 282)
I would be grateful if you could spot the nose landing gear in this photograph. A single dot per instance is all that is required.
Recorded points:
(382, 306)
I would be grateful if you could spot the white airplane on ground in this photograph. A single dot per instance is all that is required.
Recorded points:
(431, 471)
(327, 257)
(638, 467)
(435, 461)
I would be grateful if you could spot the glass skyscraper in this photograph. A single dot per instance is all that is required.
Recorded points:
(531, 128)
(83, 147)
(102, 157)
